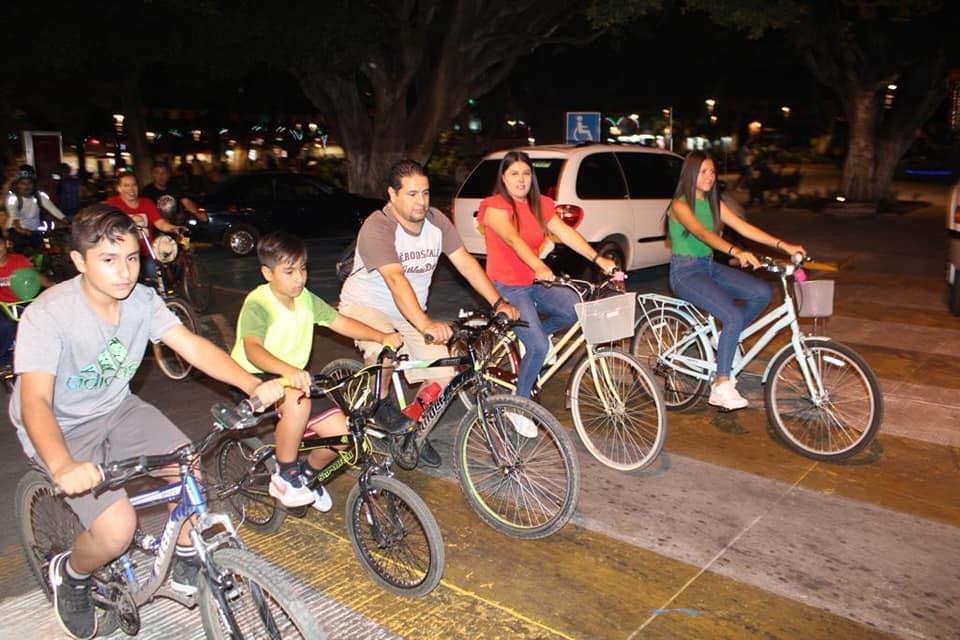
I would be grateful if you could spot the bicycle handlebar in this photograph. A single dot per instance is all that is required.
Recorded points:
(585, 288)
(471, 323)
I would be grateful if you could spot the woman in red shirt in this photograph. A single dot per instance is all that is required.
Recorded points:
(515, 221)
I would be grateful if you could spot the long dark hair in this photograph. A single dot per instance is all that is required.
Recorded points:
(687, 187)
(533, 196)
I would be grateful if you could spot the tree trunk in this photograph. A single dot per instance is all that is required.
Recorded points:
(136, 126)
(858, 183)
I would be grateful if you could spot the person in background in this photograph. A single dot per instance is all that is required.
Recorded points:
(182, 206)
(24, 204)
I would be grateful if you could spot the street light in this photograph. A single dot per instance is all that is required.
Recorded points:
(668, 112)
(711, 104)
(786, 112)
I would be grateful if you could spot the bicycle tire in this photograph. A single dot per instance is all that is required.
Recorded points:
(196, 285)
(502, 362)
(252, 504)
(524, 487)
(169, 361)
(681, 392)
(400, 543)
(629, 427)
(342, 368)
(814, 431)
(46, 526)
(256, 587)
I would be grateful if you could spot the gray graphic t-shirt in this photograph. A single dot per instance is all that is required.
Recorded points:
(92, 360)
(382, 241)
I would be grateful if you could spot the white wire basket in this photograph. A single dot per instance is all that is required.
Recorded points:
(814, 298)
(607, 319)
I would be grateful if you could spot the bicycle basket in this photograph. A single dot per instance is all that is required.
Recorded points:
(814, 298)
(607, 319)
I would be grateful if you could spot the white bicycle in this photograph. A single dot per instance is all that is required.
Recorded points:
(822, 398)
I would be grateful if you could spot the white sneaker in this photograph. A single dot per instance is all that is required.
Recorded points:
(726, 396)
(524, 425)
(551, 355)
(322, 502)
(290, 494)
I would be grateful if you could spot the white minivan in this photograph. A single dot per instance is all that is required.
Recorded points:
(614, 195)
(953, 250)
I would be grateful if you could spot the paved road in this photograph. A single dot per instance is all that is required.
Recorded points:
(730, 535)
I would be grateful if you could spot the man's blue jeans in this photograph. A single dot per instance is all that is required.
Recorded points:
(556, 304)
(714, 288)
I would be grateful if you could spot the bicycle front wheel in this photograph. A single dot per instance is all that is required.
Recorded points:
(681, 391)
(618, 410)
(251, 598)
(46, 525)
(517, 467)
(169, 361)
(247, 486)
(501, 362)
(396, 537)
(844, 421)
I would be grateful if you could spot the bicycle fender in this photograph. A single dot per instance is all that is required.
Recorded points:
(786, 347)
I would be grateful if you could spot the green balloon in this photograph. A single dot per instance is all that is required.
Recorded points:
(25, 283)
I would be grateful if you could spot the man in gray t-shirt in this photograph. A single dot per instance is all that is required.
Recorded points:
(397, 253)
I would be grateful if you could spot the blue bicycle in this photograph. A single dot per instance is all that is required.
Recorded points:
(240, 594)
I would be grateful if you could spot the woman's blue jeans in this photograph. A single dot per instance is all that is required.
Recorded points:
(714, 288)
(556, 305)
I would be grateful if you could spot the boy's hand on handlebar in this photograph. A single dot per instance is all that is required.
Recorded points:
(269, 392)
(77, 477)
(393, 340)
(439, 332)
(606, 265)
(299, 379)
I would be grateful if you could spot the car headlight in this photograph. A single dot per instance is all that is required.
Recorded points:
(165, 248)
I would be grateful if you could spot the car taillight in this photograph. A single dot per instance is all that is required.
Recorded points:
(570, 213)
(956, 217)
(232, 208)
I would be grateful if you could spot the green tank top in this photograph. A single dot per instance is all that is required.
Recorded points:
(687, 244)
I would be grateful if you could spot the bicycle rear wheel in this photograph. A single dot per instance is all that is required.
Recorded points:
(396, 537)
(169, 361)
(525, 486)
(618, 410)
(681, 391)
(252, 598)
(46, 526)
(197, 287)
(251, 502)
(848, 417)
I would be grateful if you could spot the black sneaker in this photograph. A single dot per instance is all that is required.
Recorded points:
(390, 419)
(72, 600)
(183, 578)
(429, 456)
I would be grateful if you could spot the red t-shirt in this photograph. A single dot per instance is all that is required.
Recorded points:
(14, 261)
(145, 214)
(503, 264)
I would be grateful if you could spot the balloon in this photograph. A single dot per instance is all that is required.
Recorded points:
(25, 283)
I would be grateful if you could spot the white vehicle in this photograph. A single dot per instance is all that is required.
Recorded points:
(953, 250)
(614, 195)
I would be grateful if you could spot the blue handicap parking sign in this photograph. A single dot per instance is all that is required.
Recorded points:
(583, 126)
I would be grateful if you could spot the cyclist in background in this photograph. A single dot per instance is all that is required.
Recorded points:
(181, 207)
(24, 204)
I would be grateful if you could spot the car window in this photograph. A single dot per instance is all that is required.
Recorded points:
(600, 178)
(248, 189)
(483, 180)
(299, 188)
(650, 175)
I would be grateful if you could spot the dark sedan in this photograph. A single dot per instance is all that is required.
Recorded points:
(246, 206)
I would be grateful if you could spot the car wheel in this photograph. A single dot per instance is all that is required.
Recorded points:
(240, 241)
(955, 294)
(613, 251)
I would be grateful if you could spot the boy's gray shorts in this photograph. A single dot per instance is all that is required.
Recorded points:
(133, 428)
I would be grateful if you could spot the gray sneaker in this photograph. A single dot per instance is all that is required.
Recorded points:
(183, 577)
(72, 600)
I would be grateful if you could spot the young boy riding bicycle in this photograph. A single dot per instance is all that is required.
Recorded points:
(275, 336)
(79, 344)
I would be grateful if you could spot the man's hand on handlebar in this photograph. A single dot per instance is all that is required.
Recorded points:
(270, 392)
(438, 331)
(509, 310)
(393, 340)
(77, 477)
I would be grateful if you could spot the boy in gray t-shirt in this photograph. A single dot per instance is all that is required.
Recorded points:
(78, 346)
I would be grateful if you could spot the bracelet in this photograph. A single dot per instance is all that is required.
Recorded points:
(779, 242)
(731, 253)
(595, 258)
(499, 301)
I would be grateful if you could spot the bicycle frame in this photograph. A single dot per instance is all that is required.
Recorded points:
(706, 332)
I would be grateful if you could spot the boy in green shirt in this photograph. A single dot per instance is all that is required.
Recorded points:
(275, 337)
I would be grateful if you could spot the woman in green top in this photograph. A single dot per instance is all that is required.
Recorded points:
(695, 277)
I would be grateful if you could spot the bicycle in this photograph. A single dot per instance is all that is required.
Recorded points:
(239, 594)
(617, 407)
(822, 399)
(392, 531)
(12, 310)
(169, 361)
(525, 486)
(181, 269)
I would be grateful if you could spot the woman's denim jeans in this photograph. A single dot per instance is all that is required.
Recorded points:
(556, 303)
(714, 287)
